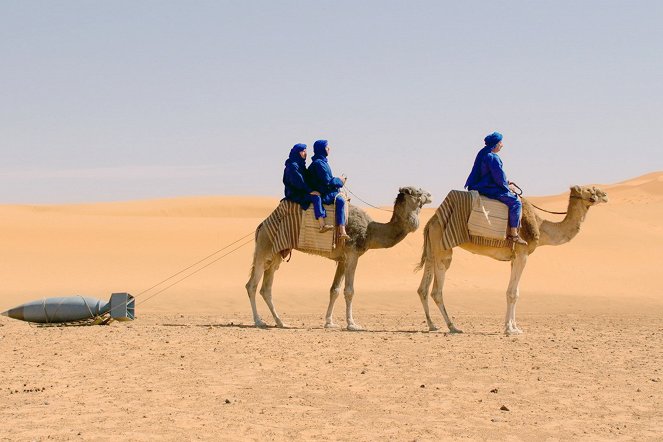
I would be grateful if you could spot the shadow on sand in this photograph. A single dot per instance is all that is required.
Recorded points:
(383, 331)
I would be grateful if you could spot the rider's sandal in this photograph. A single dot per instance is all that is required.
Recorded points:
(326, 228)
(516, 239)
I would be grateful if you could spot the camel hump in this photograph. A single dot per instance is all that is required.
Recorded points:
(529, 226)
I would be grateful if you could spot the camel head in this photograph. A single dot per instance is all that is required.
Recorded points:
(590, 195)
(414, 198)
(408, 204)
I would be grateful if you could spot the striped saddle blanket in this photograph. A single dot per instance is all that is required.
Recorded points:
(289, 227)
(454, 214)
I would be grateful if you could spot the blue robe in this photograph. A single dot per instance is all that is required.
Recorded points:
(488, 178)
(296, 186)
(323, 180)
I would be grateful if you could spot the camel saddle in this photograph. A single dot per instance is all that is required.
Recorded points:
(310, 238)
(454, 214)
(489, 218)
(289, 227)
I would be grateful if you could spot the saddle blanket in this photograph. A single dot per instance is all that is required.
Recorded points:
(454, 214)
(283, 226)
(290, 227)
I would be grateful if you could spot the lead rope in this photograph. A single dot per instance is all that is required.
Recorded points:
(197, 270)
(534, 205)
(196, 263)
(93, 317)
(368, 204)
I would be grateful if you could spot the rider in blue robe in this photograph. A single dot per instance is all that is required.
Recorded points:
(297, 188)
(323, 180)
(488, 178)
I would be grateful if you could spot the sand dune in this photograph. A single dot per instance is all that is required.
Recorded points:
(171, 381)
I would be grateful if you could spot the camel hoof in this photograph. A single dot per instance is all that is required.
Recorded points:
(455, 330)
(355, 327)
(281, 325)
(513, 331)
(261, 324)
(432, 327)
(331, 325)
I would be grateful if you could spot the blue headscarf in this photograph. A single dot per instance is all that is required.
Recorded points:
(491, 141)
(320, 149)
(295, 157)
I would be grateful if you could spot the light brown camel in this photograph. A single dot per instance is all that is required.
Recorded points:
(537, 232)
(365, 234)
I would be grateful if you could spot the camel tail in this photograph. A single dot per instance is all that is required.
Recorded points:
(424, 252)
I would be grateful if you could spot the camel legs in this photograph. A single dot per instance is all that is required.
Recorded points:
(513, 293)
(252, 286)
(334, 293)
(265, 264)
(349, 290)
(441, 264)
(266, 290)
(424, 288)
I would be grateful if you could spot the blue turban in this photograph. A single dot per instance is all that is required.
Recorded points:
(298, 148)
(492, 139)
(319, 148)
(294, 154)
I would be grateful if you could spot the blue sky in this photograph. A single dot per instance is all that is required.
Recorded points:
(122, 100)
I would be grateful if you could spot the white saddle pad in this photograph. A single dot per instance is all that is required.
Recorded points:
(489, 218)
(310, 238)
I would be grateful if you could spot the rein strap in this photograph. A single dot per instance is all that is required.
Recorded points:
(537, 207)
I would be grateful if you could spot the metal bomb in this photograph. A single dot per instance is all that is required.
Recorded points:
(76, 309)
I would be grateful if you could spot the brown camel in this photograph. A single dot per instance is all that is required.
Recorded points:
(537, 232)
(365, 234)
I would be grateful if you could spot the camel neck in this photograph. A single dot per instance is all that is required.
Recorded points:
(385, 235)
(557, 233)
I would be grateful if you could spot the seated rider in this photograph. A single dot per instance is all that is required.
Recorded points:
(322, 180)
(297, 188)
(488, 178)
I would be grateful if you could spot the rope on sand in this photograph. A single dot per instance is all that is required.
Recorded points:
(197, 270)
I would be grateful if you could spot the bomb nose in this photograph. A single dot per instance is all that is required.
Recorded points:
(15, 313)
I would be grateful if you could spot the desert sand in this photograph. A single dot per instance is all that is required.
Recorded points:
(191, 366)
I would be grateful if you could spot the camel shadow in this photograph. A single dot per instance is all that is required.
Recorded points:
(229, 325)
(371, 331)
(233, 325)
(274, 327)
(426, 332)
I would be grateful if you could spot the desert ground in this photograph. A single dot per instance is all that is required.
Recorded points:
(192, 366)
